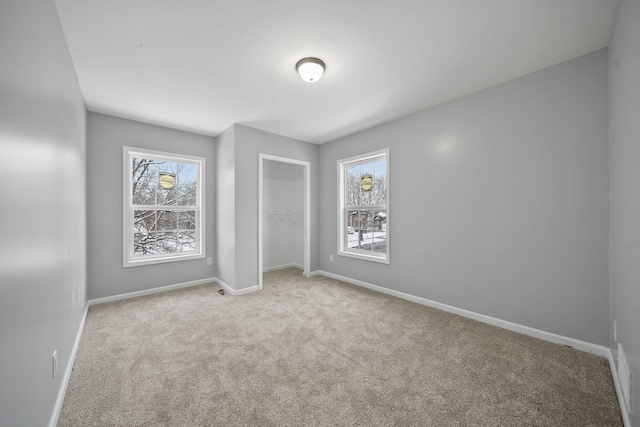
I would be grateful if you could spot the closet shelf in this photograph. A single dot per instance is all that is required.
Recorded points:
(282, 215)
(280, 211)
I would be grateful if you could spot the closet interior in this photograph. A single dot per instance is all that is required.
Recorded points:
(282, 215)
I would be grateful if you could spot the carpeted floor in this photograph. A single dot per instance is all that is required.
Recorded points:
(318, 352)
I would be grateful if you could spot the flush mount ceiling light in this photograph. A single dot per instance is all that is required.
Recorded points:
(310, 69)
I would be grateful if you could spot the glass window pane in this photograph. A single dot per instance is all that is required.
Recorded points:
(187, 240)
(143, 193)
(143, 169)
(351, 237)
(379, 189)
(361, 228)
(380, 231)
(143, 187)
(369, 230)
(186, 174)
(186, 184)
(352, 184)
(187, 195)
(166, 197)
(138, 246)
(367, 240)
(364, 219)
(366, 183)
(166, 183)
(144, 244)
(366, 168)
(366, 189)
(187, 220)
(144, 221)
(167, 167)
(380, 168)
(167, 221)
(167, 242)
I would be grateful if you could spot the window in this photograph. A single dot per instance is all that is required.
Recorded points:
(363, 207)
(163, 207)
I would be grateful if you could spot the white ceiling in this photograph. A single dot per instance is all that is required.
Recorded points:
(202, 65)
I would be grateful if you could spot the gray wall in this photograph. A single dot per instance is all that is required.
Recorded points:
(282, 233)
(43, 226)
(247, 144)
(498, 201)
(624, 240)
(226, 207)
(106, 136)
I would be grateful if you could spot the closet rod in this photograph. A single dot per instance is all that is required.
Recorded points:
(282, 211)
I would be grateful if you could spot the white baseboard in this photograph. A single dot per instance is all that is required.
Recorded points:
(536, 333)
(151, 291)
(235, 292)
(282, 267)
(227, 289)
(67, 372)
(616, 382)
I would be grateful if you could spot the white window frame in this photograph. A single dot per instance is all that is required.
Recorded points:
(128, 208)
(343, 250)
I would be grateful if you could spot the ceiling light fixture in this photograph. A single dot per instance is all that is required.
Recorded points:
(310, 69)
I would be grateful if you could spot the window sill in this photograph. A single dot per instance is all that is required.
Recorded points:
(150, 261)
(364, 257)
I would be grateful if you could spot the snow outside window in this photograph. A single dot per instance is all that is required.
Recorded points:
(363, 207)
(163, 207)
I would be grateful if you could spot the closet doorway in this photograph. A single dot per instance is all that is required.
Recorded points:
(284, 202)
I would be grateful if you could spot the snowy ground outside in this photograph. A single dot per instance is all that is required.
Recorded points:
(379, 240)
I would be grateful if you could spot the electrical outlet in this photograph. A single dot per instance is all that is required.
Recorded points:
(331, 258)
(54, 363)
(210, 261)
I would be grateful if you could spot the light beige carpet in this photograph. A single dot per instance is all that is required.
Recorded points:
(318, 352)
